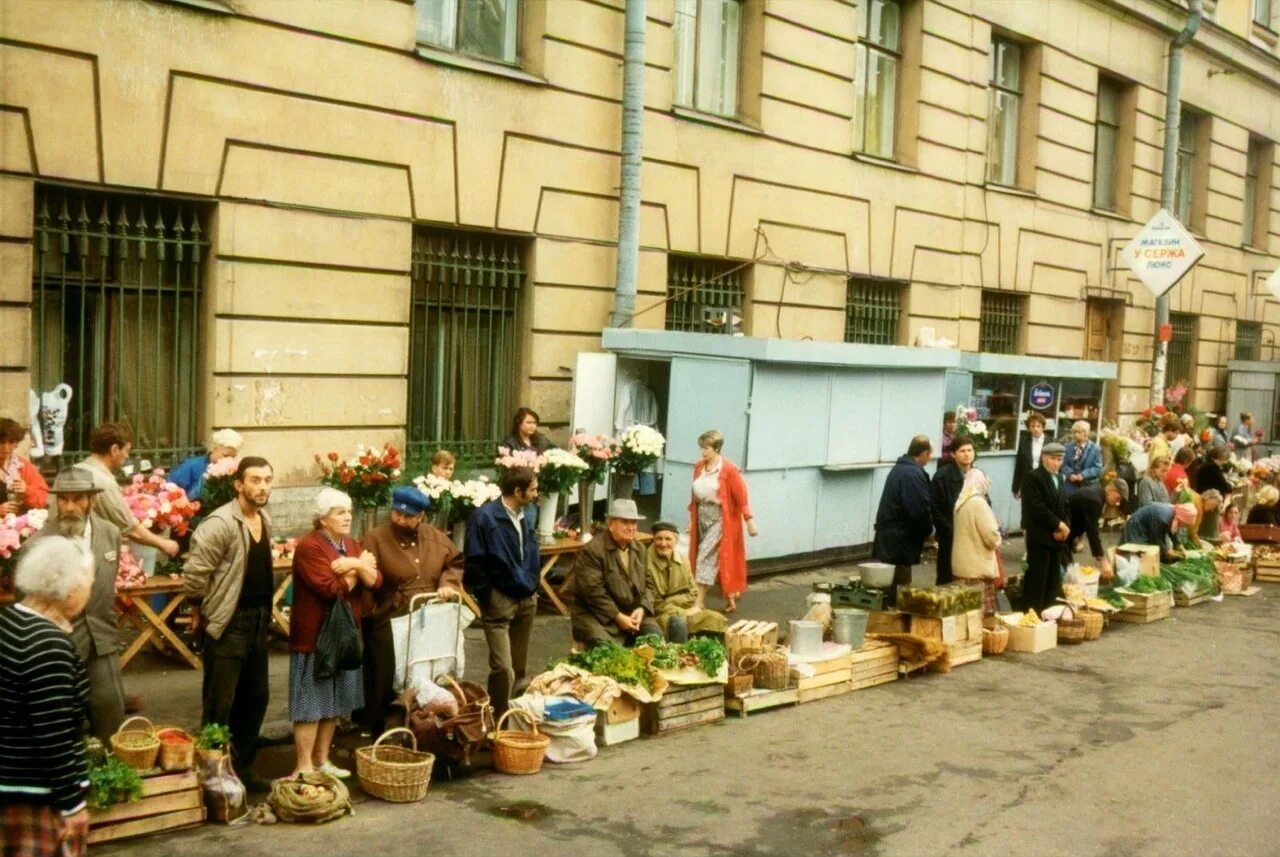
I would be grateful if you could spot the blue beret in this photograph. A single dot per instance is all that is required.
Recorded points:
(410, 500)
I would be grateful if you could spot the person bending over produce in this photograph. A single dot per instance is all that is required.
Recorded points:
(1155, 525)
(1086, 507)
(672, 590)
(610, 582)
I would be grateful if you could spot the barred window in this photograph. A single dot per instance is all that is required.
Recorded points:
(873, 309)
(464, 341)
(1000, 323)
(115, 304)
(704, 295)
(1248, 340)
(1178, 364)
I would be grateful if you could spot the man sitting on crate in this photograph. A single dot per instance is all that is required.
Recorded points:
(610, 582)
(673, 591)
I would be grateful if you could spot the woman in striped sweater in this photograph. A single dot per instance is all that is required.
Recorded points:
(43, 694)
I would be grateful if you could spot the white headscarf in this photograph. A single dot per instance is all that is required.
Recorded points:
(975, 482)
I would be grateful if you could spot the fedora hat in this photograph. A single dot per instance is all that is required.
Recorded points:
(74, 480)
(624, 510)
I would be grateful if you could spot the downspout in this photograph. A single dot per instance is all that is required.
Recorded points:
(1168, 183)
(624, 295)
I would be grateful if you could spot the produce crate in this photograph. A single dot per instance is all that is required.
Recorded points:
(1145, 607)
(950, 599)
(1182, 599)
(691, 705)
(962, 628)
(965, 652)
(747, 635)
(1266, 570)
(810, 675)
(887, 622)
(758, 699)
(169, 802)
(874, 664)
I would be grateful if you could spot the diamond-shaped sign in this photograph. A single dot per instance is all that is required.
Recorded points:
(1273, 284)
(1162, 253)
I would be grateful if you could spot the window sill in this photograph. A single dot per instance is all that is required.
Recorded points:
(1266, 34)
(712, 119)
(1111, 215)
(218, 7)
(884, 162)
(492, 67)
(1010, 190)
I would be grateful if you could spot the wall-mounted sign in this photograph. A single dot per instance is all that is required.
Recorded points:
(1162, 253)
(1040, 396)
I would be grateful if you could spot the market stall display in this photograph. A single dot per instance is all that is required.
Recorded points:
(155, 804)
(1028, 633)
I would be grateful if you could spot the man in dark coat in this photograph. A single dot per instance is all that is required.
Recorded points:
(904, 520)
(611, 584)
(944, 492)
(1046, 527)
(1086, 507)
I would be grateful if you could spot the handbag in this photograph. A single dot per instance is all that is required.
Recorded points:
(338, 643)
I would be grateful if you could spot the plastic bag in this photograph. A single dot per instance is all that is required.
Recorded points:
(1127, 569)
(338, 643)
(434, 698)
(572, 740)
(223, 793)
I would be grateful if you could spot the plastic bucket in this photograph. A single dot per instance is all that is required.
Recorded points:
(849, 625)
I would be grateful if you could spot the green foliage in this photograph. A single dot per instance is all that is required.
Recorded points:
(213, 736)
(703, 652)
(1194, 574)
(622, 665)
(217, 491)
(112, 781)
(1147, 584)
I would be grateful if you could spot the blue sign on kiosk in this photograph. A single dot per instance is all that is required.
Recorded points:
(1041, 396)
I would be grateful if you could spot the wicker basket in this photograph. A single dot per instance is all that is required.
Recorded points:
(176, 756)
(395, 774)
(994, 640)
(740, 680)
(134, 747)
(1094, 622)
(516, 752)
(769, 670)
(1070, 631)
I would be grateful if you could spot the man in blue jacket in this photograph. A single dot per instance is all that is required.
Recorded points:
(903, 520)
(502, 572)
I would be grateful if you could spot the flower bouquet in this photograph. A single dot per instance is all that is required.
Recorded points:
(639, 447)
(596, 451)
(219, 483)
(509, 458)
(560, 471)
(466, 497)
(968, 425)
(366, 477)
(1149, 422)
(158, 504)
(14, 530)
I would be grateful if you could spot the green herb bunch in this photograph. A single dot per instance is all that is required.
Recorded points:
(213, 736)
(112, 781)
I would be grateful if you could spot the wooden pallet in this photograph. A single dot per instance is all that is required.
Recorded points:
(874, 664)
(826, 692)
(169, 802)
(1181, 599)
(759, 699)
(692, 705)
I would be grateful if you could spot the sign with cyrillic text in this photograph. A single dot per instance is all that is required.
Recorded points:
(1162, 253)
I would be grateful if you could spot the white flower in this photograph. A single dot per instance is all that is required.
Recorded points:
(144, 464)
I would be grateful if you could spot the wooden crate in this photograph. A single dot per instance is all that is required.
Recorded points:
(1149, 607)
(961, 628)
(874, 664)
(691, 705)
(169, 802)
(1266, 571)
(815, 674)
(1182, 599)
(824, 692)
(759, 699)
(965, 653)
(887, 622)
(747, 635)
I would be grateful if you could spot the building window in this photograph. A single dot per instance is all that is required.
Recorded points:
(1000, 324)
(116, 309)
(464, 341)
(1257, 192)
(1184, 184)
(708, 35)
(1178, 364)
(1004, 111)
(1105, 144)
(481, 28)
(1248, 340)
(1262, 12)
(873, 309)
(704, 295)
(878, 57)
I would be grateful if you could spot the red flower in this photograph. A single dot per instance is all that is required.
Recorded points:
(1205, 436)
(345, 477)
(1161, 409)
(1146, 414)
(333, 456)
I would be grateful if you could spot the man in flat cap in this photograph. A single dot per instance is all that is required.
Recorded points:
(414, 558)
(674, 594)
(611, 585)
(1046, 525)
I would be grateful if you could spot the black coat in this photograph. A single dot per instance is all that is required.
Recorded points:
(944, 491)
(1044, 507)
(1210, 476)
(1086, 508)
(903, 520)
(1022, 462)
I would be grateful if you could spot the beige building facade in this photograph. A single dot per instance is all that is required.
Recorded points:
(331, 222)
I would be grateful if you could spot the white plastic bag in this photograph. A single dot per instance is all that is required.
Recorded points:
(1127, 569)
(428, 642)
(572, 740)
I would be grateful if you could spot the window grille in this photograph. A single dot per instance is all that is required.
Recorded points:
(1000, 323)
(1178, 364)
(1248, 340)
(115, 306)
(704, 295)
(464, 342)
(872, 311)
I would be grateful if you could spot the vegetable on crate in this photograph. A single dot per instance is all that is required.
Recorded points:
(1147, 584)
(624, 666)
(701, 652)
(1191, 575)
(112, 781)
(1115, 599)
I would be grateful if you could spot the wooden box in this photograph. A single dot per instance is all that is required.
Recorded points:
(831, 670)
(1145, 607)
(1148, 557)
(963, 628)
(618, 732)
(759, 699)
(690, 705)
(169, 802)
(826, 691)
(966, 652)
(1260, 533)
(887, 622)
(874, 664)
(1182, 599)
(747, 635)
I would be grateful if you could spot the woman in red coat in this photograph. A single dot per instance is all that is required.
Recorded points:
(327, 564)
(717, 510)
(25, 488)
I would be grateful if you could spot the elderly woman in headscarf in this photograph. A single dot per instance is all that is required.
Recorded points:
(189, 474)
(327, 565)
(1267, 508)
(674, 593)
(977, 538)
(44, 777)
(1155, 524)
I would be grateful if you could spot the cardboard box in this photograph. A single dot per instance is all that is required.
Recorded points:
(963, 628)
(1032, 640)
(1148, 557)
(623, 709)
(608, 734)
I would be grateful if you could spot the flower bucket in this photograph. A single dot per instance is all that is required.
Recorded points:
(547, 504)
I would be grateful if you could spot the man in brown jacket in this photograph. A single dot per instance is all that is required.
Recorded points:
(414, 557)
(610, 582)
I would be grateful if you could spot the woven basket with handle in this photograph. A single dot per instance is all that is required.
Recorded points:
(1070, 631)
(1094, 622)
(994, 640)
(135, 747)
(517, 752)
(395, 774)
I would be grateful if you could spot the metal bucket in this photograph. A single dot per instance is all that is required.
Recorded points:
(849, 625)
(876, 575)
(805, 638)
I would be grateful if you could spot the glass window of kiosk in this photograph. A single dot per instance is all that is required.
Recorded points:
(1081, 399)
(996, 398)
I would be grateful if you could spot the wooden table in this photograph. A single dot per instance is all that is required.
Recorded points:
(154, 627)
(553, 553)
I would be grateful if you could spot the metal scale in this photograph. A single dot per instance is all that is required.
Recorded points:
(853, 594)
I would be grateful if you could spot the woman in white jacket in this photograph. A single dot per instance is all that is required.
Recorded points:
(977, 538)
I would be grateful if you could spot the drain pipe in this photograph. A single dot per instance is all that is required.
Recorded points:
(1168, 184)
(624, 294)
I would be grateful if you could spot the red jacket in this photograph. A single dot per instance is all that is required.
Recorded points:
(315, 586)
(735, 507)
(37, 496)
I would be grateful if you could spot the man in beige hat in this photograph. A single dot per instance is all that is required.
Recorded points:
(96, 631)
(610, 582)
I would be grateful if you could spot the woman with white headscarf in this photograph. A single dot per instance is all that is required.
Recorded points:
(977, 538)
(327, 565)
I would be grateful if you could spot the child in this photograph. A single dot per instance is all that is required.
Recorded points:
(1229, 525)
